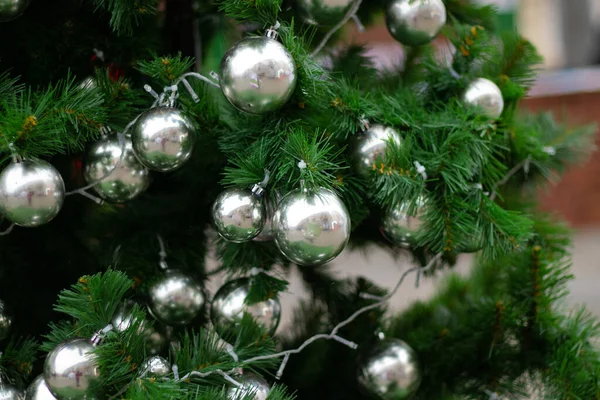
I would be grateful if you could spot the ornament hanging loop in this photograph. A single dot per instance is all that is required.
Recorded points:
(364, 124)
(258, 189)
(100, 335)
(15, 156)
(272, 33)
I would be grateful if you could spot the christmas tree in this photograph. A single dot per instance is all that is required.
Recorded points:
(138, 139)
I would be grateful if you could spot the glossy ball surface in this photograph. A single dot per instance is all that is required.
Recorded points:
(11, 9)
(163, 139)
(70, 370)
(123, 178)
(32, 192)
(415, 22)
(390, 370)
(10, 392)
(400, 227)
(38, 390)
(252, 384)
(266, 234)
(229, 306)
(156, 367)
(258, 75)
(239, 215)
(371, 147)
(311, 228)
(176, 298)
(484, 94)
(324, 12)
(6, 321)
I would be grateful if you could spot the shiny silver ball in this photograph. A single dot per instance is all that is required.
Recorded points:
(251, 385)
(156, 336)
(400, 226)
(32, 192)
(390, 370)
(163, 139)
(124, 176)
(176, 298)
(484, 94)
(156, 367)
(11, 9)
(239, 215)
(415, 22)
(311, 228)
(10, 392)
(38, 390)
(258, 75)
(324, 12)
(229, 306)
(71, 369)
(371, 147)
(6, 321)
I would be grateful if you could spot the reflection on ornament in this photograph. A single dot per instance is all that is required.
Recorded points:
(324, 12)
(176, 298)
(415, 22)
(11, 9)
(311, 228)
(390, 370)
(163, 138)
(251, 385)
(119, 178)
(32, 192)
(371, 147)
(38, 390)
(258, 75)
(229, 306)
(400, 227)
(239, 215)
(484, 94)
(70, 370)
(156, 367)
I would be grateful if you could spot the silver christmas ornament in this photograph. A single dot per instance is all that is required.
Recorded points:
(251, 385)
(311, 228)
(11, 9)
(400, 226)
(156, 367)
(239, 215)
(156, 336)
(324, 12)
(5, 321)
(157, 339)
(484, 94)
(10, 392)
(119, 174)
(415, 22)
(163, 139)
(258, 75)
(32, 192)
(390, 370)
(70, 370)
(176, 298)
(371, 147)
(229, 306)
(38, 390)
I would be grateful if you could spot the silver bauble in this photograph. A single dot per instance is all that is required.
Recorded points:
(400, 227)
(390, 370)
(229, 306)
(311, 228)
(32, 192)
(163, 138)
(156, 367)
(10, 392)
(484, 94)
(324, 12)
(38, 390)
(5, 320)
(158, 338)
(70, 370)
(258, 75)
(239, 215)
(11, 9)
(176, 298)
(371, 146)
(127, 177)
(251, 385)
(415, 22)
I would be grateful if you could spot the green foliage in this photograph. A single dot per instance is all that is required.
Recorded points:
(16, 360)
(262, 11)
(125, 14)
(165, 69)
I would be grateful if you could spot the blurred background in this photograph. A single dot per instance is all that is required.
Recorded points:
(566, 33)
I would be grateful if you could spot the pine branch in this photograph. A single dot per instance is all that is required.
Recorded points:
(261, 11)
(125, 14)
